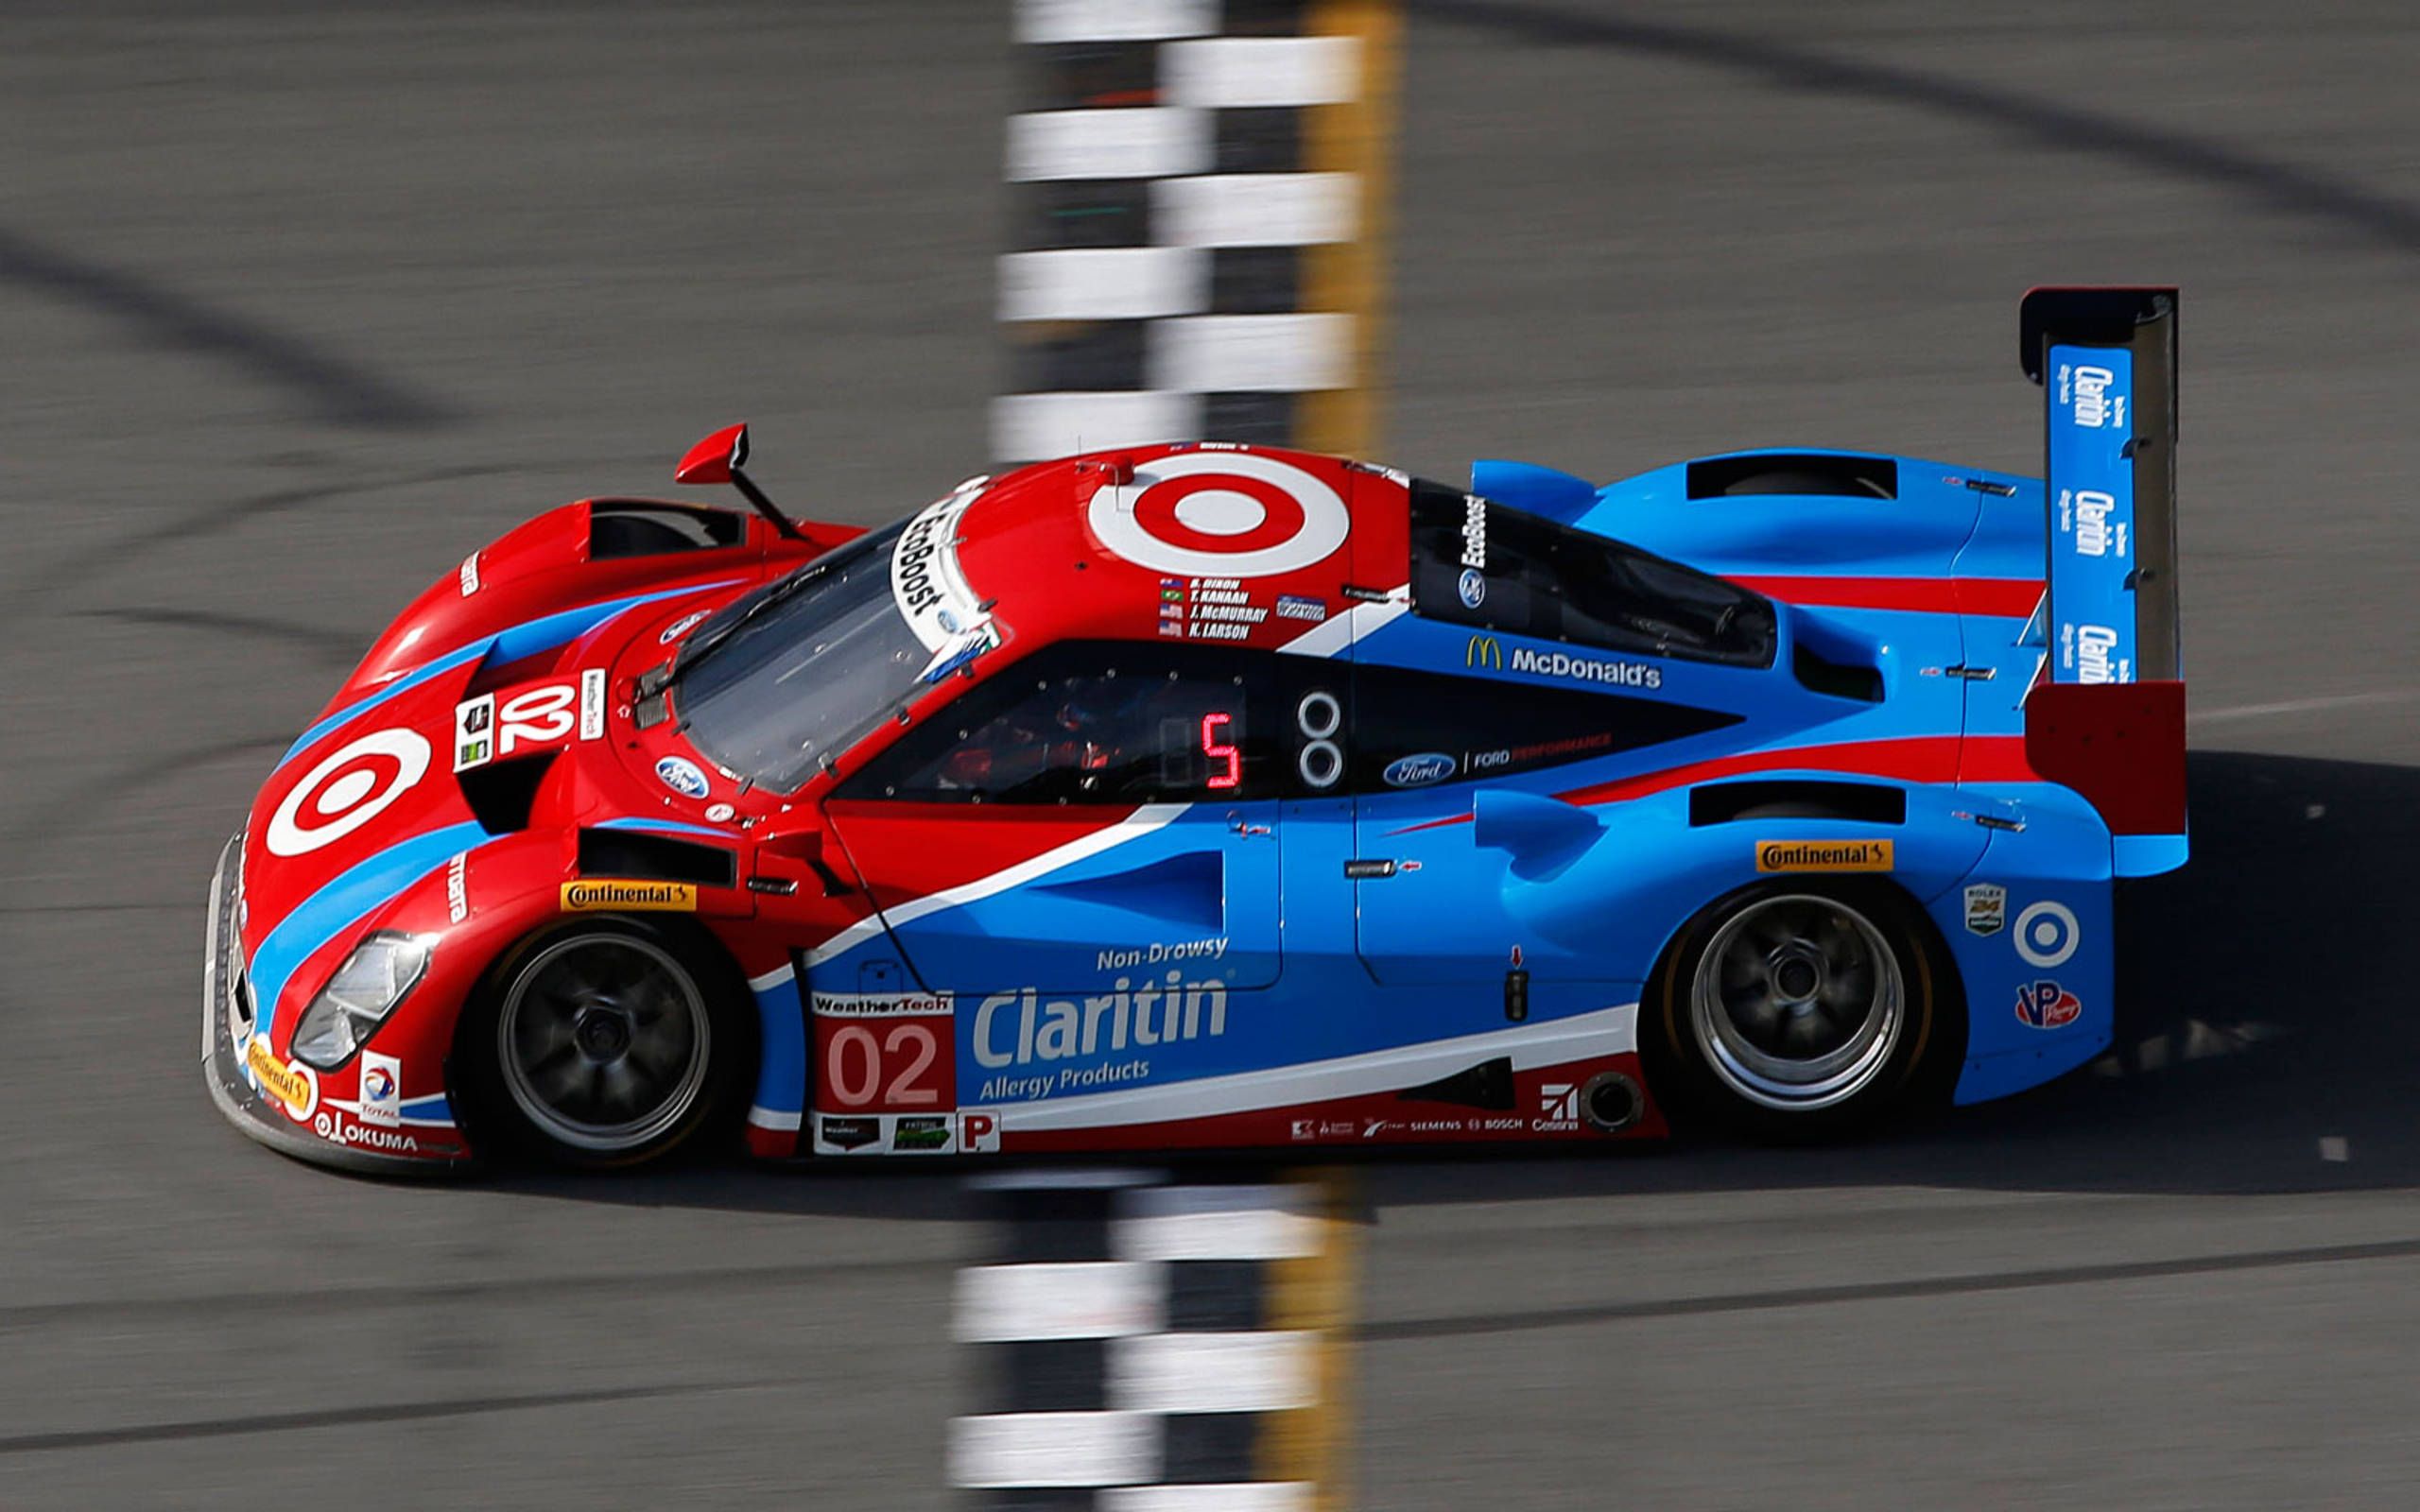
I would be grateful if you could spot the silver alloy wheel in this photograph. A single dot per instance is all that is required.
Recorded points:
(1797, 1003)
(604, 1042)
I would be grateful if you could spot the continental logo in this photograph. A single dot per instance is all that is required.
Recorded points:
(629, 897)
(1824, 855)
(296, 1089)
(1484, 651)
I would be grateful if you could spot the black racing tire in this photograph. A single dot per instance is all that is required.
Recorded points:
(1803, 1009)
(607, 1042)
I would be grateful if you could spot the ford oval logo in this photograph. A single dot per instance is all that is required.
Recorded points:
(683, 775)
(1419, 771)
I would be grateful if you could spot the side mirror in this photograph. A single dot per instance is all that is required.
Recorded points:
(803, 848)
(716, 458)
(1543, 834)
(719, 459)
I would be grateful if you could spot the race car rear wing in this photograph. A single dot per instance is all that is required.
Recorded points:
(2109, 718)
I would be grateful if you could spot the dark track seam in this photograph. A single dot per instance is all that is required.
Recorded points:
(1441, 1327)
(276, 1422)
(2283, 186)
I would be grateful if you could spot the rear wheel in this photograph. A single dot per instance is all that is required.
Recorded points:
(607, 1043)
(1801, 1010)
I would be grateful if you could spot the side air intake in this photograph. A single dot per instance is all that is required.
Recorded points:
(644, 857)
(1830, 474)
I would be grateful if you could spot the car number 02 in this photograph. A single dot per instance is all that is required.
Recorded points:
(882, 1064)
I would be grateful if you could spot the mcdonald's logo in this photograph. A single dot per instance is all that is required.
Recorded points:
(1484, 651)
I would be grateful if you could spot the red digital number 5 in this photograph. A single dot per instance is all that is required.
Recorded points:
(1218, 751)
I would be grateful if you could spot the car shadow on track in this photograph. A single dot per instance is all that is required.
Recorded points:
(2267, 1040)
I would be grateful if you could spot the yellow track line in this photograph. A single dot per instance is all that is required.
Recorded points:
(1315, 1293)
(1356, 138)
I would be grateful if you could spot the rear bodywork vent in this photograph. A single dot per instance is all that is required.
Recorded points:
(1819, 673)
(1821, 474)
(501, 793)
(640, 527)
(1797, 799)
(643, 857)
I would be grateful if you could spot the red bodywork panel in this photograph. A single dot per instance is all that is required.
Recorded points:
(2122, 744)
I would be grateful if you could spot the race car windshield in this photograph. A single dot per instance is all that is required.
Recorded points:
(783, 680)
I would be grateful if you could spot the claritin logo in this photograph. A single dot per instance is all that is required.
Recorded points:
(1067, 1028)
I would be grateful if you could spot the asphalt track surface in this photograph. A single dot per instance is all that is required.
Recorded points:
(300, 302)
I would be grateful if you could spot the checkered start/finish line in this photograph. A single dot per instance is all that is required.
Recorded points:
(1145, 1348)
(1197, 188)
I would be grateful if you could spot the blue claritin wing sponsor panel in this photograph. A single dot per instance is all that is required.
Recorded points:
(2092, 515)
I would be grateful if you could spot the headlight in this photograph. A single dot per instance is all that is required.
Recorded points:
(358, 998)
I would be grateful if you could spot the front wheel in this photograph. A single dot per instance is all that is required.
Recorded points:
(609, 1042)
(1800, 1010)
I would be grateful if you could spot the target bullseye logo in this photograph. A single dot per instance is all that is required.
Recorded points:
(2047, 934)
(1220, 514)
(347, 790)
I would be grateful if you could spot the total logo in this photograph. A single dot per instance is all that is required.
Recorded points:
(2045, 1004)
(382, 1090)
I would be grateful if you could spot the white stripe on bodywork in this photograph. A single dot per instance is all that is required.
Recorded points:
(1361, 621)
(1142, 821)
(1581, 1037)
(774, 1119)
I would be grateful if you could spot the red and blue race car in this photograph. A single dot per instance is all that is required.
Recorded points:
(1210, 795)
